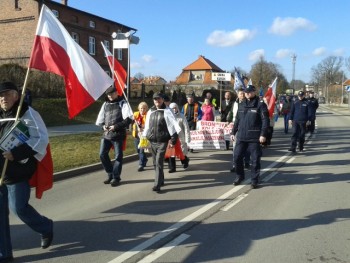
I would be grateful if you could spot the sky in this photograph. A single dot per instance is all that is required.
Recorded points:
(230, 33)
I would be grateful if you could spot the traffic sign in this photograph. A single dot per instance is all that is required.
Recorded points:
(219, 76)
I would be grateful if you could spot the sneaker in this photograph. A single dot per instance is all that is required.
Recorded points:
(233, 170)
(292, 150)
(140, 169)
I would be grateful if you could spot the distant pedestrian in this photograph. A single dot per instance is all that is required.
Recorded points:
(161, 129)
(138, 127)
(114, 117)
(300, 115)
(208, 111)
(184, 137)
(192, 111)
(225, 108)
(313, 105)
(285, 111)
(249, 132)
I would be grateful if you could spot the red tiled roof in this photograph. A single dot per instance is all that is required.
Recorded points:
(203, 63)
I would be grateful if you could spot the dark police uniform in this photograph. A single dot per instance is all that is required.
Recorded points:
(313, 105)
(300, 114)
(252, 121)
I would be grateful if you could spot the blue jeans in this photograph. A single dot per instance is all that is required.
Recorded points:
(16, 197)
(113, 171)
(141, 152)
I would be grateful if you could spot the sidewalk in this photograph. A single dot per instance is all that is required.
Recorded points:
(72, 129)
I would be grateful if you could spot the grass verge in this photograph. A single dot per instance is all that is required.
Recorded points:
(72, 151)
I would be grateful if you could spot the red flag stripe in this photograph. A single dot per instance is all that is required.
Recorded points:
(51, 57)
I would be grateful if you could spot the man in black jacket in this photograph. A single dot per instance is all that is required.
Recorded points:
(251, 123)
(161, 128)
(115, 117)
(300, 115)
(225, 108)
(313, 105)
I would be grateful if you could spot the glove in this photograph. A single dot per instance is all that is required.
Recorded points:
(308, 123)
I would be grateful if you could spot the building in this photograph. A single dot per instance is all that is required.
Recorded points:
(18, 21)
(197, 77)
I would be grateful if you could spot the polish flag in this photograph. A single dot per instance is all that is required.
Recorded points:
(270, 97)
(55, 51)
(119, 71)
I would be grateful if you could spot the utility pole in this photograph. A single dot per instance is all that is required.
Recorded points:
(294, 59)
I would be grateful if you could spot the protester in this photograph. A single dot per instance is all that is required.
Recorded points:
(249, 131)
(285, 110)
(273, 119)
(184, 137)
(231, 118)
(212, 100)
(167, 100)
(225, 108)
(192, 111)
(114, 117)
(21, 166)
(300, 116)
(313, 105)
(138, 126)
(161, 128)
(208, 111)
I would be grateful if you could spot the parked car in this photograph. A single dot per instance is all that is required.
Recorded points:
(322, 100)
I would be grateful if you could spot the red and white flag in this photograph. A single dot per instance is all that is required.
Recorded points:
(270, 96)
(119, 71)
(55, 51)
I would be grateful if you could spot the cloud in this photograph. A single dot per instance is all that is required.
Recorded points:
(287, 26)
(136, 65)
(256, 54)
(283, 53)
(319, 51)
(339, 52)
(148, 58)
(222, 38)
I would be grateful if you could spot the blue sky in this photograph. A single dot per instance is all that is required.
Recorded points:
(230, 33)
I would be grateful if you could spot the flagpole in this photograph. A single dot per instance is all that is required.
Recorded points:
(16, 118)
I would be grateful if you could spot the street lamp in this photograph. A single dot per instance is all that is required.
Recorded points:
(121, 41)
(294, 58)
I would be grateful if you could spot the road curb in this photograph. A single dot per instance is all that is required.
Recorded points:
(88, 169)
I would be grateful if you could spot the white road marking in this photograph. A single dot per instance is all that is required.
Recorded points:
(234, 202)
(161, 251)
(196, 214)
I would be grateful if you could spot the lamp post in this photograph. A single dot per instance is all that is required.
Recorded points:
(294, 59)
(122, 41)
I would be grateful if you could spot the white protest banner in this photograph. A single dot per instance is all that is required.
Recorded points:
(210, 135)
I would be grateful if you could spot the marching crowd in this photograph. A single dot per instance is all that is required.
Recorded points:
(162, 129)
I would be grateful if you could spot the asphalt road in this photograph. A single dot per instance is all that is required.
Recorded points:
(299, 214)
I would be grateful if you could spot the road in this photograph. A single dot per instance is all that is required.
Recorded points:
(300, 213)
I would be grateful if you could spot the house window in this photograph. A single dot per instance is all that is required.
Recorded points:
(92, 24)
(75, 36)
(92, 46)
(106, 43)
(56, 13)
(17, 8)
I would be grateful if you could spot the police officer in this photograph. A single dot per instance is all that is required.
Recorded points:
(313, 104)
(300, 115)
(251, 123)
